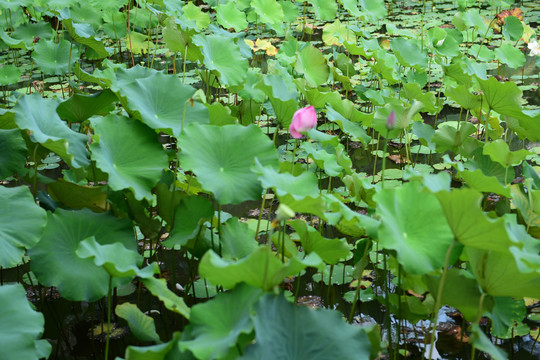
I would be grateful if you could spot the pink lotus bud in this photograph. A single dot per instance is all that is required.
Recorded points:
(303, 120)
(391, 120)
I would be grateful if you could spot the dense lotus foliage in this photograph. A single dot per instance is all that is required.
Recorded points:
(180, 178)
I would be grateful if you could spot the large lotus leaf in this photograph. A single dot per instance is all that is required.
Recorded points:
(9, 74)
(324, 9)
(421, 245)
(353, 129)
(28, 32)
(189, 215)
(507, 316)
(502, 97)
(352, 7)
(513, 28)
(21, 326)
(261, 268)
(237, 239)
(54, 258)
(217, 324)
(222, 156)
(311, 62)
(130, 153)
(55, 58)
(163, 102)
(499, 151)
(509, 55)
(325, 157)
(22, 224)
(39, 117)
(330, 250)
(409, 53)
(156, 352)
(527, 127)
(478, 181)
(286, 331)
(228, 16)
(460, 291)
(158, 288)
(499, 275)
(376, 9)
(180, 40)
(85, 34)
(223, 54)
(470, 225)
(193, 12)
(12, 152)
(306, 184)
(80, 107)
(270, 13)
(13, 4)
(140, 324)
(115, 259)
(463, 97)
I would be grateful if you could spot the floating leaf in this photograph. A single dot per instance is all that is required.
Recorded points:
(18, 233)
(222, 156)
(129, 152)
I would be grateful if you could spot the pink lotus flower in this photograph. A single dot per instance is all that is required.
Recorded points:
(391, 120)
(303, 120)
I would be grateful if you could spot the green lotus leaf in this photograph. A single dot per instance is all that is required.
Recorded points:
(12, 152)
(141, 325)
(311, 62)
(158, 288)
(502, 97)
(223, 54)
(18, 233)
(353, 129)
(77, 196)
(228, 16)
(156, 352)
(55, 58)
(448, 137)
(324, 9)
(270, 12)
(84, 33)
(330, 250)
(9, 74)
(376, 9)
(421, 245)
(180, 40)
(220, 114)
(306, 184)
(261, 268)
(480, 341)
(507, 316)
(513, 28)
(217, 324)
(469, 224)
(413, 91)
(14, 4)
(325, 157)
(479, 181)
(509, 55)
(499, 152)
(222, 156)
(303, 334)
(161, 101)
(21, 326)
(54, 258)
(409, 53)
(189, 215)
(115, 259)
(130, 153)
(39, 117)
(460, 291)
(527, 127)
(463, 97)
(352, 7)
(237, 239)
(79, 107)
(193, 12)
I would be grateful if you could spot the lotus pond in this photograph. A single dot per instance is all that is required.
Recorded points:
(269, 179)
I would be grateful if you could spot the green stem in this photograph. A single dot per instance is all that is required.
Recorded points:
(109, 300)
(384, 159)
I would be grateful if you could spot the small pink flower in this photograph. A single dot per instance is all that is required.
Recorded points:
(391, 120)
(303, 120)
